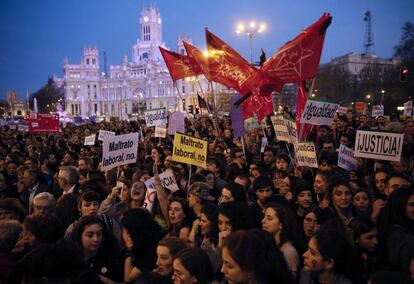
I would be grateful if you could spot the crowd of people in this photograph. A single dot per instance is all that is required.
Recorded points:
(251, 216)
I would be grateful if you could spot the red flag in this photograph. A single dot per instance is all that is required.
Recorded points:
(299, 58)
(178, 65)
(305, 128)
(259, 103)
(228, 68)
(197, 59)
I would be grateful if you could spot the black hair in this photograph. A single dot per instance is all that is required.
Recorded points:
(262, 182)
(238, 214)
(237, 191)
(210, 210)
(198, 264)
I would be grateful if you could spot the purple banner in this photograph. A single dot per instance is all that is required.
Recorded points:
(236, 115)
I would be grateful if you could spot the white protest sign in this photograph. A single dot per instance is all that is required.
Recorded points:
(263, 144)
(105, 133)
(279, 125)
(119, 150)
(12, 126)
(90, 140)
(251, 123)
(346, 158)
(167, 181)
(378, 145)
(176, 123)
(408, 108)
(160, 131)
(306, 154)
(293, 132)
(23, 128)
(156, 117)
(150, 195)
(319, 113)
(342, 109)
(377, 110)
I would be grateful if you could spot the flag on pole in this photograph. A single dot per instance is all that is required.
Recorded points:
(228, 68)
(303, 128)
(197, 59)
(202, 103)
(299, 58)
(178, 65)
(258, 103)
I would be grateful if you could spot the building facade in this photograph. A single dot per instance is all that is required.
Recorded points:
(140, 83)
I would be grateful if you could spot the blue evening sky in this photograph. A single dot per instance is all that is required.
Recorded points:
(36, 35)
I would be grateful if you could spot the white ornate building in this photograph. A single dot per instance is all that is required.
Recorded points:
(137, 84)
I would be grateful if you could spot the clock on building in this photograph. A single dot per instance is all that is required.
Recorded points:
(146, 19)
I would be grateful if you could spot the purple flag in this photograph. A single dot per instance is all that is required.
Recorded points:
(236, 115)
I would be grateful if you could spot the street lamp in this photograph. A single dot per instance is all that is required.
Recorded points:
(250, 30)
(368, 96)
(382, 95)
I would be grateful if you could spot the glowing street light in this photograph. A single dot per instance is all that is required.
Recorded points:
(250, 30)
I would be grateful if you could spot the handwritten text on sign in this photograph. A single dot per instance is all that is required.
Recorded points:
(105, 133)
(119, 150)
(319, 113)
(156, 117)
(346, 158)
(90, 140)
(189, 150)
(379, 145)
(306, 154)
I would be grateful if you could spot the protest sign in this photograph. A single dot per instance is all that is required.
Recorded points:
(160, 131)
(176, 123)
(251, 123)
(156, 117)
(90, 140)
(408, 108)
(263, 144)
(377, 110)
(279, 125)
(105, 133)
(23, 128)
(150, 195)
(342, 110)
(319, 113)
(12, 126)
(119, 150)
(378, 145)
(41, 122)
(360, 107)
(306, 154)
(236, 115)
(190, 150)
(293, 132)
(346, 158)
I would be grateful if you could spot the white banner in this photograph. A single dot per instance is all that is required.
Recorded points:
(156, 117)
(160, 131)
(408, 108)
(378, 145)
(346, 158)
(105, 133)
(342, 109)
(90, 140)
(279, 125)
(377, 110)
(23, 128)
(306, 154)
(293, 132)
(119, 150)
(167, 181)
(319, 113)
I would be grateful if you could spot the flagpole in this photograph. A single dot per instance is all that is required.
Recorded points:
(302, 125)
(178, 92)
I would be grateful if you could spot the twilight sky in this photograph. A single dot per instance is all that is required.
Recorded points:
(36, 35)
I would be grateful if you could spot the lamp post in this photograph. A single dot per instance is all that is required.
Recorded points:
(382, 96)
(250, 30)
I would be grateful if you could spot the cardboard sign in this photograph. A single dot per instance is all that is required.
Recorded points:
(119, 150)
(90, 140)
(41, 122)
(23, 128)
(319, 113)
(346, 158)
(156, 117)
(378, 145)
(342, 110)
(306, 154)
(176, 123)
(236, 115)
(293, 132)
(105, 133)
(377, 110)
(251, 123)
(150, 195)
(360, 107)
(279, 125)
(190, 150)
(408, 108)
(12, 126)
(263, 144)
(160, 131)
(167, 181)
